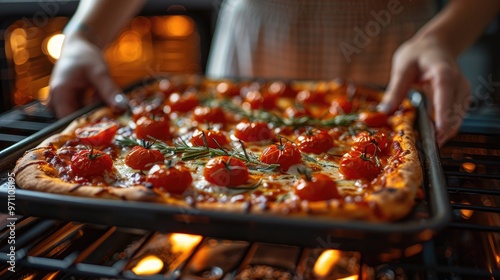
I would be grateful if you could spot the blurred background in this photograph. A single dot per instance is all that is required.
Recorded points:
(166, 37)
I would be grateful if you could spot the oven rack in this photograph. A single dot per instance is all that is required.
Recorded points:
(61, 249)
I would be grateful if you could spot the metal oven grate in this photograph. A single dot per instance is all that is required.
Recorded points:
(468, 249)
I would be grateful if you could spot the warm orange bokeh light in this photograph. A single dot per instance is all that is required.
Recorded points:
(353, 277)
(183, 242)
(53, 46)
(18, 41)
(148, 265)
(469, 167)
(326, 262)
(129, 47)
(178, 26)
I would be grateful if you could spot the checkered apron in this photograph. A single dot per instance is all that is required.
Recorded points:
(313, 39)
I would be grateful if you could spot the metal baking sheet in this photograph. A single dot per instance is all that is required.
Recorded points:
(429, 216)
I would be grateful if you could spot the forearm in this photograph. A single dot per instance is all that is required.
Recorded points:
(99, 21)
(459, 24)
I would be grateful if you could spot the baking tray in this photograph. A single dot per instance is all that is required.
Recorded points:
(428, 217)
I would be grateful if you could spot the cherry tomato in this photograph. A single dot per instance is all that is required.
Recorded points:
(203, 114)
(358, 165)
(87, 163)
(370, 143)
(340, 106)
(147, 108)
(143, 158)
(285, 154)
(253, 131)
(182, 103)
(281, 89)
(257, 100)
(315, 141)
(311, 97)
(172, 179)
(156, 126)
(97, 134)
(227, 89)
(226, 171)
(294, 112)
(166, 87)
(215, 138)
(316, 187)
(373, 119)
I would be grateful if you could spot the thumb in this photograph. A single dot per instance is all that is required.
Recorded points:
(400, 82)
(107, 89)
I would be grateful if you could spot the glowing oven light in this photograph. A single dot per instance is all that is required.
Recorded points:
(43, 94)
(466, 213)
(53, 46)
(326, 262)
(148, 265)
(183, 242)
(352, 277)
(469, 167)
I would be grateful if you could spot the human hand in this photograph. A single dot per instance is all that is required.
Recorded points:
(427, 63)
(81, 68)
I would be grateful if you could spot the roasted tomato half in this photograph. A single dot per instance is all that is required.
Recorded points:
(172, 179)
(373, 119)
(296, 112)
(257, 100)
(143, 158)
(307, 97)
(214, 138)
(315, 141)
(147, 108)
(340, 106)
(210, 115)
(285, 154)
(97, 134)
(86, 163)
(370, 143)
(316, 187)
(359, 165)
(226, 171)
(157, 127)
(253, 132)
(182, 103)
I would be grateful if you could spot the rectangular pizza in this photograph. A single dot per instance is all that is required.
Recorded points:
(264, 147)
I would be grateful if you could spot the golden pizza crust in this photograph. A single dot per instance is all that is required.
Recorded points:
(34, 173)
(397, 198)
(393, 201)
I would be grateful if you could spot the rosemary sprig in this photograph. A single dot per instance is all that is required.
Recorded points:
(313, 160)
(127, 142)
(270, 117)
(189, 153)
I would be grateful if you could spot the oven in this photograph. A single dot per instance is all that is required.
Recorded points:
(467, 247)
